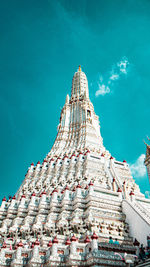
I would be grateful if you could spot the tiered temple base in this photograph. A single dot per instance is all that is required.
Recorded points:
(67, 226)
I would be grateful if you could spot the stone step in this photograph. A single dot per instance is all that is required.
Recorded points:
(146, 263)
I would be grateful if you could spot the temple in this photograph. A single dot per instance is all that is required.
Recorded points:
(80, 206)
(147, 159)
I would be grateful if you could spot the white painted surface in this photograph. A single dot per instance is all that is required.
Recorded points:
(139, 227)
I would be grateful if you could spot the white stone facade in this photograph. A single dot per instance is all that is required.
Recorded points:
(70, 204)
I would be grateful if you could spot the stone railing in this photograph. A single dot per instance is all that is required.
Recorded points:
(107, 257)
(138, 219)
(114, 174)
(107, 170)
(119, 248)
(142, 211)
(146, 263)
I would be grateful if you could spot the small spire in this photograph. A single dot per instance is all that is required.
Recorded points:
(67, 99)
(147, 148)
(79, 67)
(145, 142)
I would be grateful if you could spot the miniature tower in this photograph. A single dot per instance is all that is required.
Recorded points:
(147, 159)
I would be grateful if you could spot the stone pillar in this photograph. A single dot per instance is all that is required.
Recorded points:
(38, 165)
(78, 191)
(91, 190)
(22, 202)
(43, 198)
(66, 193)
(132, 196)
(35, 257)
(125, 163)
(54, 195)
(2, 257)
(125, 190)
(18, 259)
(68, 242)
(33, 197)
(120, 193)
(18, 253)
(35, 252)
(87, 241)
(2, 253)
(73, 251)
(114, 185)
(31, 167)
(3, 203)
(94, 245)
(54, 247)
(13, 202)
(102, 157)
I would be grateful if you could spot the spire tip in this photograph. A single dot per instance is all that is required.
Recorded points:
(79, 67)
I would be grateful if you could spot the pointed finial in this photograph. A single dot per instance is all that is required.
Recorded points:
(67, 99)
(79, 67)
(148, 146)
(145, 142)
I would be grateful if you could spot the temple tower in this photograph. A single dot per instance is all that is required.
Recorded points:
(70, 204)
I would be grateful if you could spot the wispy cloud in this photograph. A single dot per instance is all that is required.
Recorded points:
(117, 70)
(103, 90)
(123, 66)
(114, 77)
(138, 169)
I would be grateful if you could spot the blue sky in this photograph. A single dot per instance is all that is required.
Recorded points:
(41, 45)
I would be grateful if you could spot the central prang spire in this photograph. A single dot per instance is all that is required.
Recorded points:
(79, 127)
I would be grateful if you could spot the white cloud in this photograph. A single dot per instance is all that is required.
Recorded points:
(103, 90)
(123, 64)
(138, 169)
(114, 77)
(117, 70)
(123, 70)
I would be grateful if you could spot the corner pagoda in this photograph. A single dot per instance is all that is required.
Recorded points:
(147, 159)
